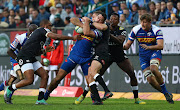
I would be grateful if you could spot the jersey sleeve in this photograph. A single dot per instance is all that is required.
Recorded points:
(15, 43)
(98, 34)
(46, 31)
(122, 31)
(132, 36)
(159, 35)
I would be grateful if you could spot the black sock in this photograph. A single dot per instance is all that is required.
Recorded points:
(95, 92)
(10, 88)
(135, 92)
(100, 80)
(41, 95)
(85, 93)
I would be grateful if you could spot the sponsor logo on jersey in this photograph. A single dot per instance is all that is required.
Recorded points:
(86, 37)
(147, 40)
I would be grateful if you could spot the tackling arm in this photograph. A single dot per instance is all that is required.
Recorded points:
(100, 26)
(11, 53)
(59, 37)
(86, 28)
(120, 39)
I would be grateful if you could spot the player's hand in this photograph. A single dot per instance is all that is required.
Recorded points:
(77, 37)
(144, 46)
(49, 49)
(86, 19)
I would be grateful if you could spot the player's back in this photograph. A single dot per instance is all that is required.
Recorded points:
(35, 43)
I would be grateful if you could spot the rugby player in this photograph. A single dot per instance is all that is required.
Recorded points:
(150, 38)
(81, 54)
(13, 51)
(28, 63)
(117, 55)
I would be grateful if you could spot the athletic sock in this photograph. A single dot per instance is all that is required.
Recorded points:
(94, 91)
(163, 87)
(2, 86)
(86, 90)
(100, 80)
(46, 95)
(41, 93)
(12, 87)
(135, 91)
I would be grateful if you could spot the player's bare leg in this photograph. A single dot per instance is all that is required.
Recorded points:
(127, 67)
(54, 83)
(95, 69)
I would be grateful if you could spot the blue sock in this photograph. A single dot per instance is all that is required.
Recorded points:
(2, 86)
(163, 87)
(46, 95)
(11, 94)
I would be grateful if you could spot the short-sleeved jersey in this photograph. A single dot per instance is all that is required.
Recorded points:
(102, 45)
(146, 37)
(18, 42)
(83, 48)
(34, 44)
(115, 48)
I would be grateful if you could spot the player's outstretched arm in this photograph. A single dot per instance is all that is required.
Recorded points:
(11, 53)
(100, 26)
(127, 45)
(59, 36)
(76, 22)
(159, 45)
(86, 28)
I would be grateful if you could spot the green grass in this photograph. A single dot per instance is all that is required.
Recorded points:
(64, 103)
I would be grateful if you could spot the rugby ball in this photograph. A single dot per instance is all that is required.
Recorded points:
(46, 62)
(79, 30)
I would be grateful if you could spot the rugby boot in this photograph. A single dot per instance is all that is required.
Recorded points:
(79, 99)
(7, 96)
(107, 95)
(41, 102)
(97, 103)
(169, 97)
(139, 101)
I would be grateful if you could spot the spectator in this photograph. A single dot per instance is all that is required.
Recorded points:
(77, 8)
(152, 11)
(12, 23)
(123, 5)
(6, 16)
(43, 13)
(170, 10)
(115, 7)
(30, 13)
(59, 9)
(53, 3)
(35, 18)
(123, 22)
(135, 15)
(86, 7)
(63, 3)
(3, 24)
(178, 12)
(8, 5)
(99, 3)
(23, 15)
(2, 18)
(20, 3)
(141, 11)
(68, 24)
(12, 13)
(68, 12)
(110, 10)
(53, 13)
(128, 14)
(19, 23)
(58, 21)
(15, 5)
(162, 15)
(157, 10)
(26, 6)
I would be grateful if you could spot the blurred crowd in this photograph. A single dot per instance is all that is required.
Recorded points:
(22, 13)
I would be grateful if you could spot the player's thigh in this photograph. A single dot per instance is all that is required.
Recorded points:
(105, 67)
(126, 66)
(68, 65)
(95, 67)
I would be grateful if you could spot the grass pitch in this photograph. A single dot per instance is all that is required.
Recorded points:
(67, 103)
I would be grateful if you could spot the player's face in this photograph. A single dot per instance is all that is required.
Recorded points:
(49, 26)
(114, 20)
(145, 25)
(95, 18)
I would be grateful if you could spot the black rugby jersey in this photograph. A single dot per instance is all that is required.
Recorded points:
(34, 44)
(113, 46)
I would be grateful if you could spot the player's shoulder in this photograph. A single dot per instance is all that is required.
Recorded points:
(155, 28)
(136, 28)
(21, 36)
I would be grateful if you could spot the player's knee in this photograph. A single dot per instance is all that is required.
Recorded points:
(148, 73)
(153, 70)
(45, 77)
(154, 65)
